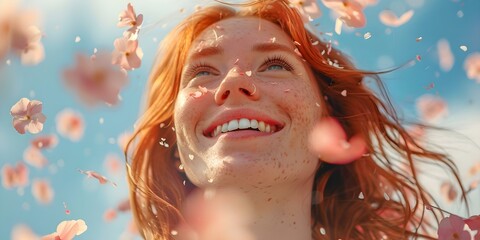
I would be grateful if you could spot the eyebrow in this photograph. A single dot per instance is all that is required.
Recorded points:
(262, 47)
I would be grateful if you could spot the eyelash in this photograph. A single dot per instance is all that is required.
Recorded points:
(279, 60)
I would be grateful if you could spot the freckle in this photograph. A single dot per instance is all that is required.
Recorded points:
(294, 223)
(282, 222)
(270, 199)
(283, 171)
(259, 183)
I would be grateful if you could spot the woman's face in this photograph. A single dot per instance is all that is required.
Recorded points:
(250, 126)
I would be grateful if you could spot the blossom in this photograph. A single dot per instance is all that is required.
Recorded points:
(28, 116)
(95, 79)
(66, 230)
(113, 163)
(42, 191)
(329, 141)
(46, 141)
(109, 215)
(474, 224)
(390, 19)
(431, 108)
(472, 66)
(20, 33)
(128, 18)
(350, 11)
(452, 228)
(70, 124)
(308, 9)
(33, 156)
(127, 53)
(14, 176)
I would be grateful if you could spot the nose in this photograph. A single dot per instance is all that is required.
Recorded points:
(236, 86)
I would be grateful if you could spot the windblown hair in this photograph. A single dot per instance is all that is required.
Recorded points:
(394, 200)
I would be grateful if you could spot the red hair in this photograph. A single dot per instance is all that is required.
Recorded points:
(394, 198)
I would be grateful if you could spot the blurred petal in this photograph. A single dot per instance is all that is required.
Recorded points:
(42, 191)
(34, 157)
(390, 19)
(445, 55)
(329, 141)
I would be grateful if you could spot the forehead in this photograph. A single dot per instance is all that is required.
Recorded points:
(237, 31)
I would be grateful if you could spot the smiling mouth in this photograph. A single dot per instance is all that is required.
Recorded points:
(243, 124)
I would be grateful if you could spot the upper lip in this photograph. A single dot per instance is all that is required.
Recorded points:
(228, 115)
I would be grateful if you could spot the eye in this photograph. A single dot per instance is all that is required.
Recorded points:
(276, 63)
(199, 70)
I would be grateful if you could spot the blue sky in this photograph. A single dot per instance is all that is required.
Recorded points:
(95, 23)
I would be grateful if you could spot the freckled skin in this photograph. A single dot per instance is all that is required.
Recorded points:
(263, 161)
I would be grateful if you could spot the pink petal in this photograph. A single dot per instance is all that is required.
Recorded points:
(431, 108)
(20, 125)
(46, 141)
(42, 191)
(109, 215)
(445, 55)
(473, 222)
(113, 163)
(33, 55)
(328, 141)
(70, 124)
(69, 229)
(124, 205)
(448, 192)
(34, 127)
(34, 157)
(8, 176)
(389, 18)
(20, 108)
(23, 232)
(472, 66)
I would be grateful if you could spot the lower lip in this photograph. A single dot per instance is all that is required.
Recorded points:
(243, 134)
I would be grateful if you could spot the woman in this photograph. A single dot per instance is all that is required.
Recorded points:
(236, 93)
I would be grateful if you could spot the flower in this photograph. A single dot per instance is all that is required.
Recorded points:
(474, 224)
(431, 108)
(451, 228)
(350, 11)
(472, 66)
(308, 9)
(390, 19)
(127, 53)
(42, 191)
(128, 18)
(66, 230)
(95, 79)
(14, 176)
(20, 33)
(329, 141)
(70, 124)
(28, 116)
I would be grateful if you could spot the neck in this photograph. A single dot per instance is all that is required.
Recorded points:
(282, 212)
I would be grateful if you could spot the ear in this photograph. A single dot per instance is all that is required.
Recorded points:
(329, 142)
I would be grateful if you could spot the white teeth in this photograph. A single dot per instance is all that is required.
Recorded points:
(244, 123)
(261, 126)
(233, 125)
(253, 123)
